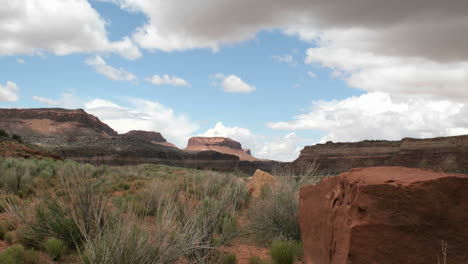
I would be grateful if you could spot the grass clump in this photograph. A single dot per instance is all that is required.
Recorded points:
(257, 260)
(18, 255)
(55, 248)
(9, 237)
(228, 258)
(286, 252)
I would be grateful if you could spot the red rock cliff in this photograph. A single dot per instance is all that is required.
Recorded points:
(52, 121)
(385, 215)
(444, 153)
(220, 144)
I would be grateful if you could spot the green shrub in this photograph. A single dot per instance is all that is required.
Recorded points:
(3, 133)
(285, 252)
(17, 138)
(9, 238)
(274, 217)
(257, 260)
(55, 248)
(6, 200)
(18, 255)
(8, 225)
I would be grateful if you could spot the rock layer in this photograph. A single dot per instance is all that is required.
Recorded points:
(385, 215)
(76, 135)
(220, 144)
(444, 153)
(52, 121)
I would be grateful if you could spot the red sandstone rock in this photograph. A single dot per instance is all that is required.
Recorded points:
(219, 144)
(444, 153)
(385, 215)
(258, 181)
(151, 136)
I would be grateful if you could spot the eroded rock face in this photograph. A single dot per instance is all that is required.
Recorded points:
(444, 153)
(220, 144)
(385, 215)
(52, 122)
(76, 135)
(151, 136)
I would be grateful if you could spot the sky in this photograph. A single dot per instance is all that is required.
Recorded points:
(273, 75)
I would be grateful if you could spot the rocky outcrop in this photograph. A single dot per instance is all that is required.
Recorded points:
(151, 136)
(385, 215)
(220, 144)
(259, 181)
(52, 122)
(76, 135)
(443, 153)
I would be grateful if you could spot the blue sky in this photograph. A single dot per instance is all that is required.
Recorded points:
(273, 82)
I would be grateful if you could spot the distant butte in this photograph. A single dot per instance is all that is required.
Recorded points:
(220, 144)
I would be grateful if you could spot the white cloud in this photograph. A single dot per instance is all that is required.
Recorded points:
(378, 115)
(395, 75)
(100, 65)
(144, 115)
(234, 84)
(9, 92)
(284, 149)
(288, 59)
(168, 80)
(20, 61)
(59, 26)
(66, 100)
(312, 75)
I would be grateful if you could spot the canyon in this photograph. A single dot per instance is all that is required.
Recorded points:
(442, 153)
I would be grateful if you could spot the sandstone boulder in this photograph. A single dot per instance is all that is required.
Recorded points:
(385, 215)
(258, 181)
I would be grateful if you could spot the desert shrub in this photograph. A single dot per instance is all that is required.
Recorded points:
(16, 179)
(17, 138)
(9, 238)
(3, 133)
(274, 217)
(6, 199)
(125, 240)
(2, 232)
(257, 260)
(285, 252)
(55, 248)
(18, 255)
(8, 224)
(229, 258)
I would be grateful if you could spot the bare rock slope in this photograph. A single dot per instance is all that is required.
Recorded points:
(443, 153)
(385, 215)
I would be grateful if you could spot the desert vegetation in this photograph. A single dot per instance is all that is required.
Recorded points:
(77, 213)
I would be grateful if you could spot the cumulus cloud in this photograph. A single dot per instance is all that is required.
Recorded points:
(288, 59)
(144, 115)
(234, 84)
(9, 92)
(167, 80)
(422, 28)
(100, 65)
(284, 149)
(312, 75)
(378, 115)
(57, 26)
